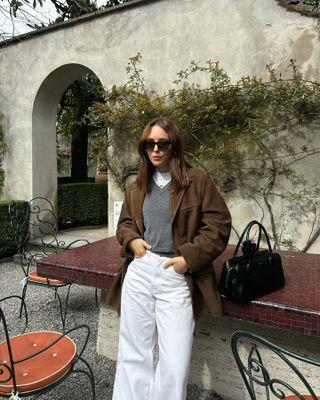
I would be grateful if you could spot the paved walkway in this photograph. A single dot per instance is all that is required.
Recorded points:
(91, 234)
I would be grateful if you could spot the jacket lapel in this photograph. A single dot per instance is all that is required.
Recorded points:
(137, 202)
(176, 198)
(174, 203)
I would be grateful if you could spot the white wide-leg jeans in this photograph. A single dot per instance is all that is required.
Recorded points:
(155, 305)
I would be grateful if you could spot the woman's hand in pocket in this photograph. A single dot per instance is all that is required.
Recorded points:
(178, 263)
(139, 247)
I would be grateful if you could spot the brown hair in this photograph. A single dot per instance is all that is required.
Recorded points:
(177, 164)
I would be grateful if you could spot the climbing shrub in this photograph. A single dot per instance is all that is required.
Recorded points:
(253, 136)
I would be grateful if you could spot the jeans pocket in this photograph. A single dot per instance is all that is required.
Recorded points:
(140, 258)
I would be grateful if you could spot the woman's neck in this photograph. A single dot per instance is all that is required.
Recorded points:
(164, 170)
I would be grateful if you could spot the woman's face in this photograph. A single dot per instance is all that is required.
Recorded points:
(159, 157)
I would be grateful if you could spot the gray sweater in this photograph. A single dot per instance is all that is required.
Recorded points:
(157, 226)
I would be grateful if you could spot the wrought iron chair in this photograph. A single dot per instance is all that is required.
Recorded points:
(22, 307)
(255, 358)
(35, 233)
(34, 363)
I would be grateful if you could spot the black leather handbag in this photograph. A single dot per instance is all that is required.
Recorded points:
(255, 273)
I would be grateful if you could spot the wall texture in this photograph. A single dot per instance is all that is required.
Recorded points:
(36, 69)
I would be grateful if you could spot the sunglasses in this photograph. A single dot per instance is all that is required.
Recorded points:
(163, 145)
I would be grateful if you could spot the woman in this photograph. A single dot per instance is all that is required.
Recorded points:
(173, 224)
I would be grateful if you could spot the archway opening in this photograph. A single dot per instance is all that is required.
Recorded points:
(76, 146)
(44, 128)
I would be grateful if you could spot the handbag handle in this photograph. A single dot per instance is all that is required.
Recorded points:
(259, 236)
(246, 232)
(261, 228)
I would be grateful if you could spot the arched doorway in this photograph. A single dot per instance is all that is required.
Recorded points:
(44, 158)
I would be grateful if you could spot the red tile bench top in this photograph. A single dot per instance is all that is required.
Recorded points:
(295, 307)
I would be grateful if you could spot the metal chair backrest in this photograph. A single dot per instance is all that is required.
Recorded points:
(36, 236)
(270, 371)
(35, 231)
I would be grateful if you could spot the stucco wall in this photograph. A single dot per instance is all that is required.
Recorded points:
(244, 36)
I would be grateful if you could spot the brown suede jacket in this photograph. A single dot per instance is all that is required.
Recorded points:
(201, 226)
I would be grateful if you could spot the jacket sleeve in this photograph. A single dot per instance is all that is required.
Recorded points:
(214, 229)
(126, 229)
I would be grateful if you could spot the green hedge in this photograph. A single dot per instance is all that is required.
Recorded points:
(63, 180)
(82, 204)
(7, 243)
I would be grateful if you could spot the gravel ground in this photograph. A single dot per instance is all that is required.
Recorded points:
(43, 312)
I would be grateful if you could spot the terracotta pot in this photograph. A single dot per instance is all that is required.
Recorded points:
(102, 176)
